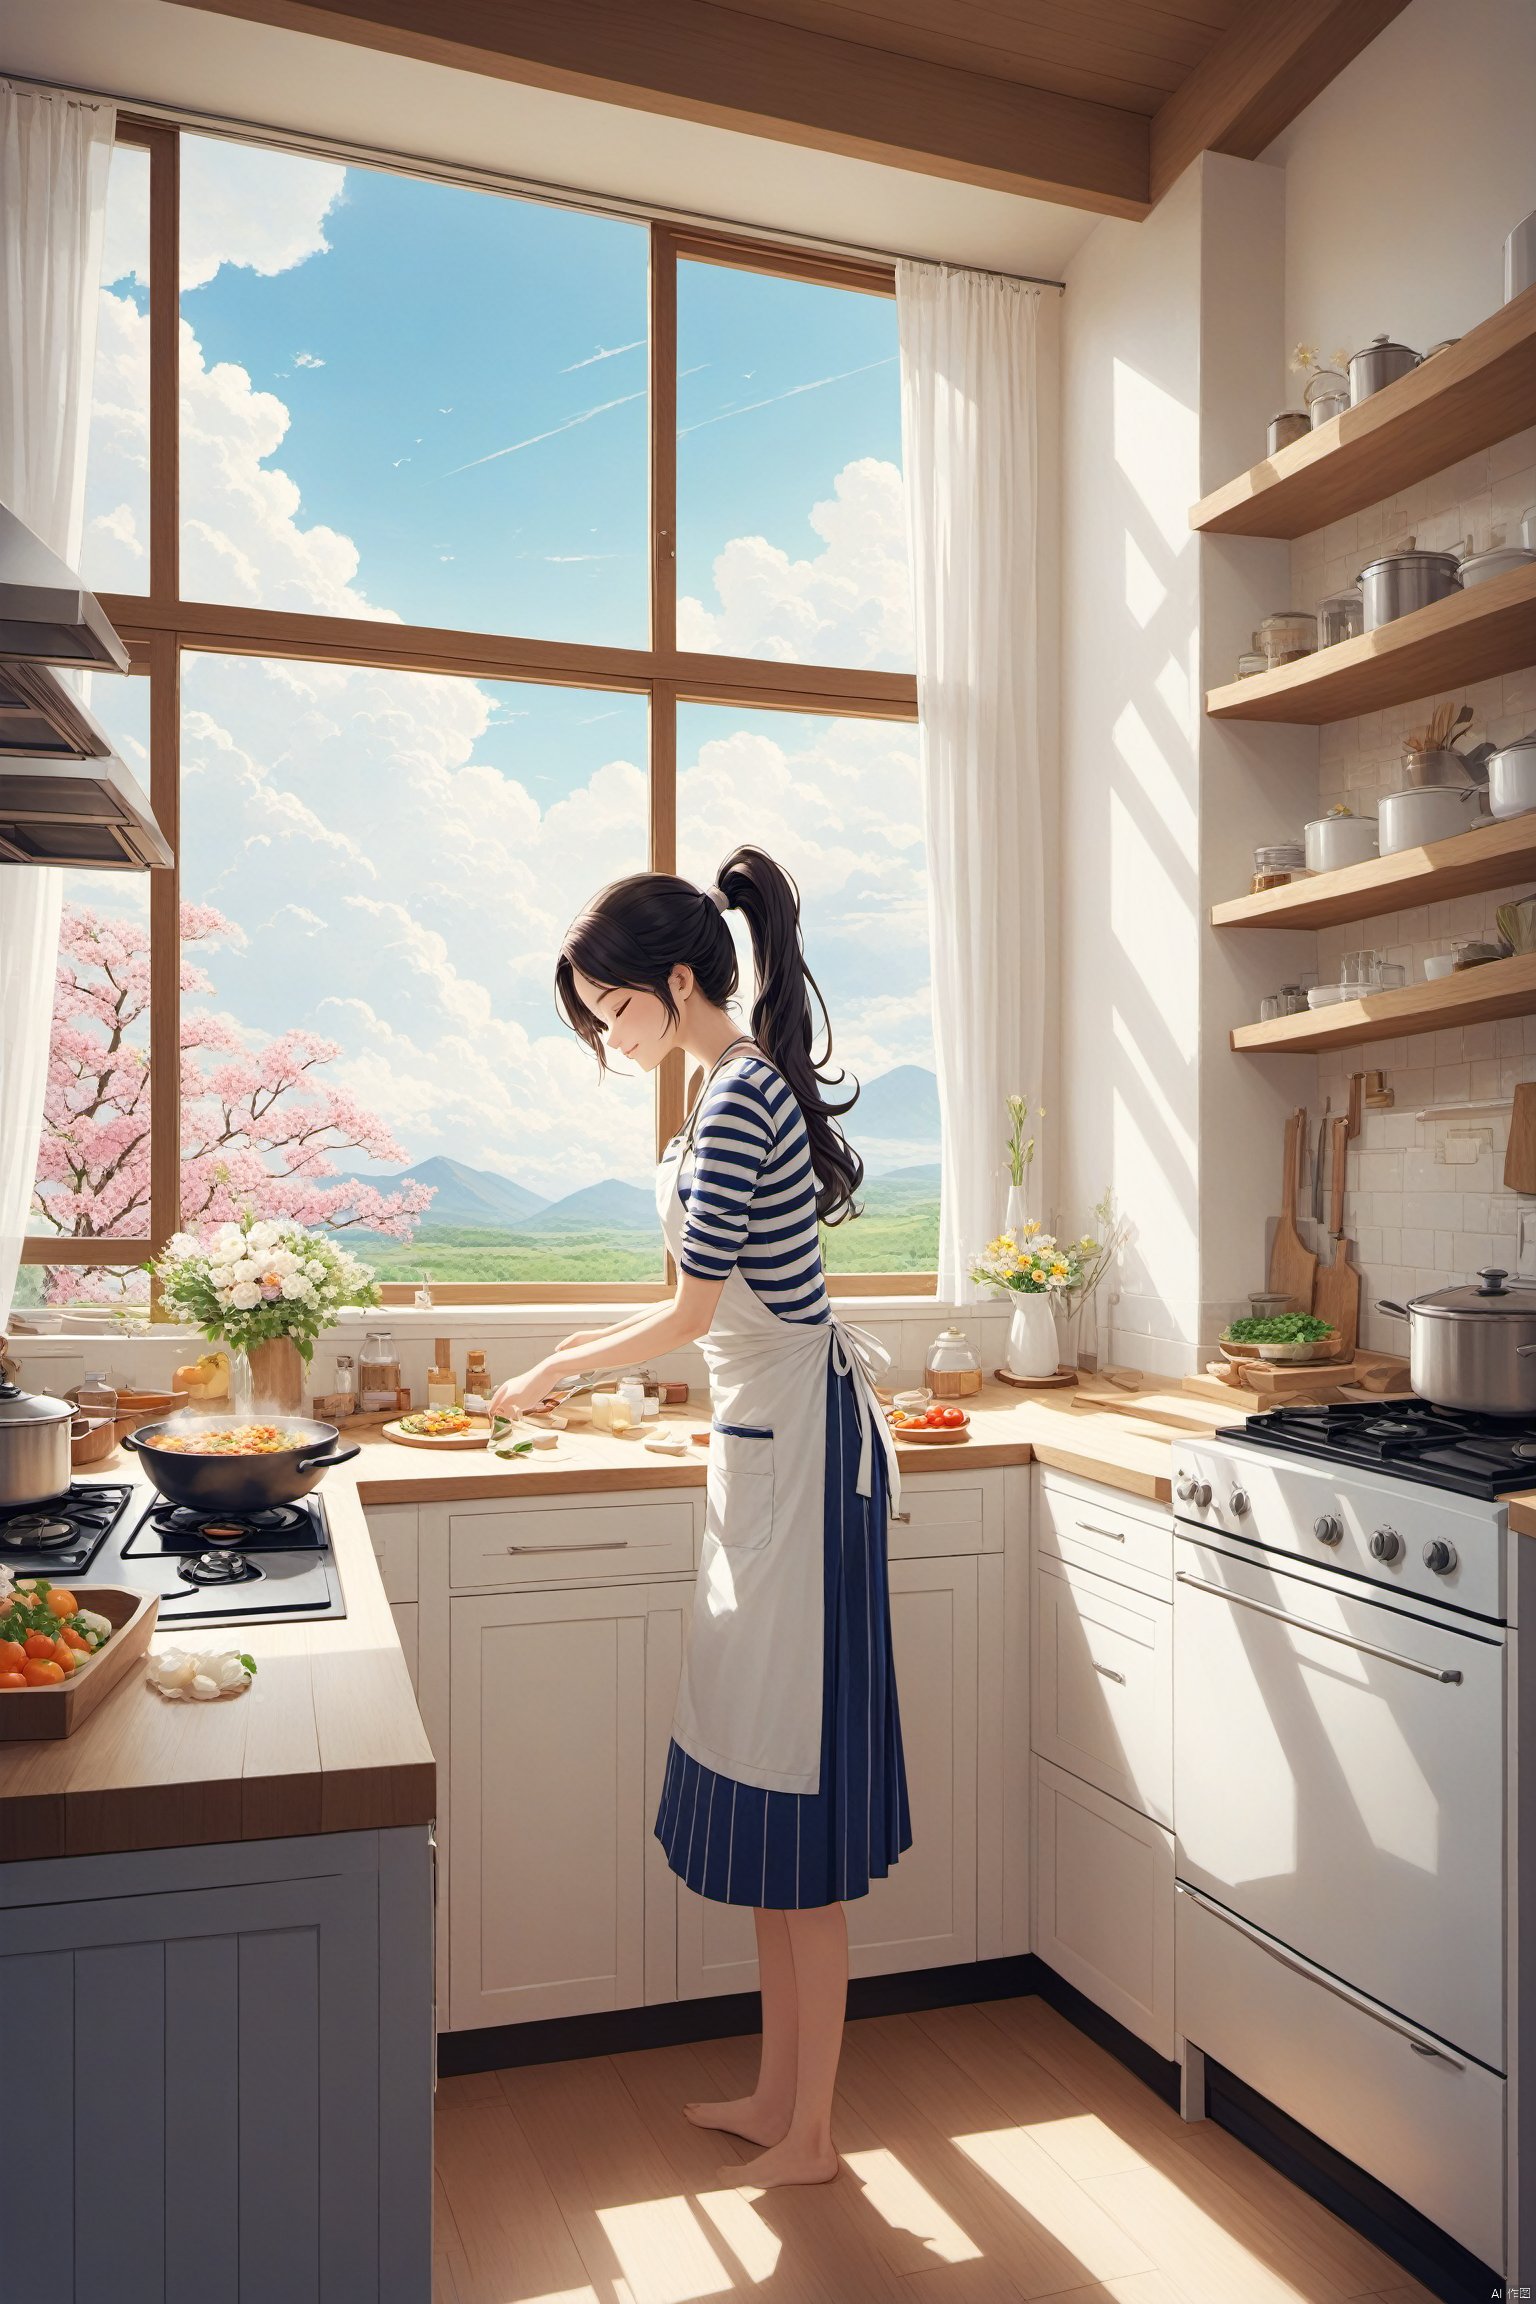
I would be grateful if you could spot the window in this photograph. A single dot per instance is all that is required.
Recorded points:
(448, 626)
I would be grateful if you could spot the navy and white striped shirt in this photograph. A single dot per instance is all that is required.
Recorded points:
(750, 1191)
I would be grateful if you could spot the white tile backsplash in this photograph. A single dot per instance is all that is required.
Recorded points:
(1426, 1202)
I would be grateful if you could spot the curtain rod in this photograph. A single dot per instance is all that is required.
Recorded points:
(496, 180)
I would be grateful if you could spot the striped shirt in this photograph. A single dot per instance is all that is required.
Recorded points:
(750, 1192)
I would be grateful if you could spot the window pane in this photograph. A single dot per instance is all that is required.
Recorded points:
(791, 524)
(93, 1157)
(409, 400)
(836, 802)
(377, 869)
(114, 556)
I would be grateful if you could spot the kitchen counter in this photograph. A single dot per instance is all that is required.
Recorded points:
(326, 1739)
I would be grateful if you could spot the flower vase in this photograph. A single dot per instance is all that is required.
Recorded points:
(277, 1375)
(242, 1393)
(1033, 1350)
(1017, 1215)
(1078, 1334)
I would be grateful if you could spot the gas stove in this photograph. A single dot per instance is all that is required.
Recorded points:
(1471, 1455)
(63, 1536)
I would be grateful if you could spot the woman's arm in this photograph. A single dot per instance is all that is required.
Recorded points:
(663, 1329)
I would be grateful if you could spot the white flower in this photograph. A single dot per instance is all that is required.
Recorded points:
(182, 1244)
(247, 1268)
(264, 1236)
(295, 1288)
(315, 1269)
(245, 1295)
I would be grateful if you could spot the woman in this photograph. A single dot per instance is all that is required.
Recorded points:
(784, 1785)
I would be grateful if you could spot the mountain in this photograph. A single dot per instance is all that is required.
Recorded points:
(903, 1104)
(607, 1207)
(464, 1195)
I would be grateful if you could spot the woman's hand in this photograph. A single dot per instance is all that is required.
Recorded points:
(521, 1393)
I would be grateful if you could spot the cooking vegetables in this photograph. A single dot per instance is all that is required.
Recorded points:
(435, 1423)
(45, 1634)
(232, 1440)
(1278, 1328)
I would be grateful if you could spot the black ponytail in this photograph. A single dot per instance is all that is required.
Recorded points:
(784, 1025)
(638, 930)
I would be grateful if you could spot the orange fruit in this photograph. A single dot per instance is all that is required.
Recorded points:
(38, 1644)
(13, 1679)
(62, 1602)
(41, 1671)
(64, 1655)
(12, 1655)
(74, 1639)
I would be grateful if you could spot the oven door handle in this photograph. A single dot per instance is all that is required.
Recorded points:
(1323, 1631)
(1415, 2040)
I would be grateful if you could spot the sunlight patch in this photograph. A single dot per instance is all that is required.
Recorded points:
(895, 2194)
(665, 2255)
(754, 2244)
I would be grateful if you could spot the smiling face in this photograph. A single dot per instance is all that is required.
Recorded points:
(635, 1023)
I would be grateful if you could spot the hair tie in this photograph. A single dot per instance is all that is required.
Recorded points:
(719, 899)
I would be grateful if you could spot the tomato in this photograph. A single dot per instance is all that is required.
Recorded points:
(12, 1655)
(38, 1644)
(951, 1416)
(41, 1671)
(13, 1679)
(64, 1656)
(62, 1602)
(74, 1639)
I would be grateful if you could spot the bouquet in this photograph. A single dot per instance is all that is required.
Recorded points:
(1031, 1263)
(252, 1282)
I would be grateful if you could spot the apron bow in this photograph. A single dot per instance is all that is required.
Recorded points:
(856, 1353)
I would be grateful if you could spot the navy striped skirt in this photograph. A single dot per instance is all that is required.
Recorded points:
(787, 1851)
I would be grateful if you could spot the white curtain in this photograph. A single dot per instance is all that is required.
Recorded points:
(54, 156)
(970, 446)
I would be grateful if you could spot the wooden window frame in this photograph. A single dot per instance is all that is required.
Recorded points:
(159, 627)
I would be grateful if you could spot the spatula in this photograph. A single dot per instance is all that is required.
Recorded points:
(1292, 1265)
(1336, 1288)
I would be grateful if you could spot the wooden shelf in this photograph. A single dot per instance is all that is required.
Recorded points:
(1481, 389)
(1494, 856)
(1474, 635)
(1474, 996)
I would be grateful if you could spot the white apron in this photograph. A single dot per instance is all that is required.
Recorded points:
(750, 1702)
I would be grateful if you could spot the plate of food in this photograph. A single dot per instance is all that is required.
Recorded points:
(939, 1426)
(439, 1428)
(1281, 1336)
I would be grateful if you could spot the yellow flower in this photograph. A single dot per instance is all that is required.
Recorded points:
(1031, 1228)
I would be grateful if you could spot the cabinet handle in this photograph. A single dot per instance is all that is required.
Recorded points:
(1451, 1678)
(904, 1517)
(613, 1544)
(1092, 1528)
(1109, 1671)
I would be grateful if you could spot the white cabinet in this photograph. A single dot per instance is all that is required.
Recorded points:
(393, 1531)
(1104, 1902)
(1101, 1694)
(923, 1914)
(404, 1613)
(552, 1781)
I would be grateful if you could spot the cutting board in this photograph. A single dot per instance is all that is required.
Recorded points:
(1292, 1265)
(1336, 1286)
(1520, 1158)
(478, 1436)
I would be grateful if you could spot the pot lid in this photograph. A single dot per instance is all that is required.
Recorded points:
(1385, 344)
(18, 1407)
(1411, 560)
(1493, 1294)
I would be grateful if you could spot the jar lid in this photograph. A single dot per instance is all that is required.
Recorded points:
(951, 1336)
(18, 1407)
(1287, 616)
(1492, 1295)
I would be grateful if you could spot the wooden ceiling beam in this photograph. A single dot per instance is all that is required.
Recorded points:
(1256, 79)
(694, 60)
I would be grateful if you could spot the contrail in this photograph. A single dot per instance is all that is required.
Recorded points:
(535, 437)
(815, 386)
(604, 352)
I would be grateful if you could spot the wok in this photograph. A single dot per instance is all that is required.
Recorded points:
(239, 1483)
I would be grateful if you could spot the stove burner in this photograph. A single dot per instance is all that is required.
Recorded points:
(174, 1520)
(1471, 1454)
(218, 1568)
(35, 1532)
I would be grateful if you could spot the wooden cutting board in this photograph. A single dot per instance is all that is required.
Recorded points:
(1292, 1265)
(1520, 1158)
(1336, 1286)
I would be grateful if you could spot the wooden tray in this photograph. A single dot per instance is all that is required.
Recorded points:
(935, 1436)
(477, 1437)
(27, 1715)
(1062, 1377)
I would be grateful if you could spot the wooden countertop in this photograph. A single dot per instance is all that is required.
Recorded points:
(326, 1739)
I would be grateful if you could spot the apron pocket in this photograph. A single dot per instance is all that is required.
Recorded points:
(739, 1495)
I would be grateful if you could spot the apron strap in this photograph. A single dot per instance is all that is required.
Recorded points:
(742, 1040)
(861, 1356)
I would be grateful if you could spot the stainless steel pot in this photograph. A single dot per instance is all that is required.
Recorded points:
(1512, 778)
(1474, 1348)
(1401, 581)
(34, 1446)
(1381, 362)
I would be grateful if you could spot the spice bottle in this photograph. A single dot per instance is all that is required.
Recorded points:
(378, 1374)
(442, 1384)
(477, 1384)
(953, 1368)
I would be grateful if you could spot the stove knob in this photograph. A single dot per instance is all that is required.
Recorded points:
(1239, 1501)
(1386, 1544)
(1440, 1556)
(1328, 1528)
(1192, 1491)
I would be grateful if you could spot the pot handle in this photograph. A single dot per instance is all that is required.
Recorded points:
(1385, 1304)
(324, 1461)
(130, 1440)
(1524, 1351)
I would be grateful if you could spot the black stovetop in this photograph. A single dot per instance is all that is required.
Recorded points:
(1411, 1439)
(224, 1567)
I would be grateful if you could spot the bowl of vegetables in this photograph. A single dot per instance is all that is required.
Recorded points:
(62, 1649)
(1281, 1336)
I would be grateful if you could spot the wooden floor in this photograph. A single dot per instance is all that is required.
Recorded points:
(989, 2153)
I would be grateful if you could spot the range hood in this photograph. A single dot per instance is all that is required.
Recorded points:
(65, 796)
(46, 614)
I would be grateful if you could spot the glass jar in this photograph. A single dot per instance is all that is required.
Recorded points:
(1326, 396)
(1287, 637)
(1251, 661)
(1340, 617)
(953, 1368)
(378, 1374)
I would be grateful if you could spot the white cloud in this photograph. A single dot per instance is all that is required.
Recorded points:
(239, 205)
(849, 604)
(307, 360)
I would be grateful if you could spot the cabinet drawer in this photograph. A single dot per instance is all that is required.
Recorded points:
(1428, 2124)
(575, 1542)
(1078, 1521)
(947, 1513)
(1104, 1903)
(1101, 1699)
(393, 1533)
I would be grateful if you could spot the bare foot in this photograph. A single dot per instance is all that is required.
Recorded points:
(745, 2116)
(786, 2163)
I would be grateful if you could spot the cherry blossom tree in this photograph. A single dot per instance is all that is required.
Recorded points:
(259, 1129)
